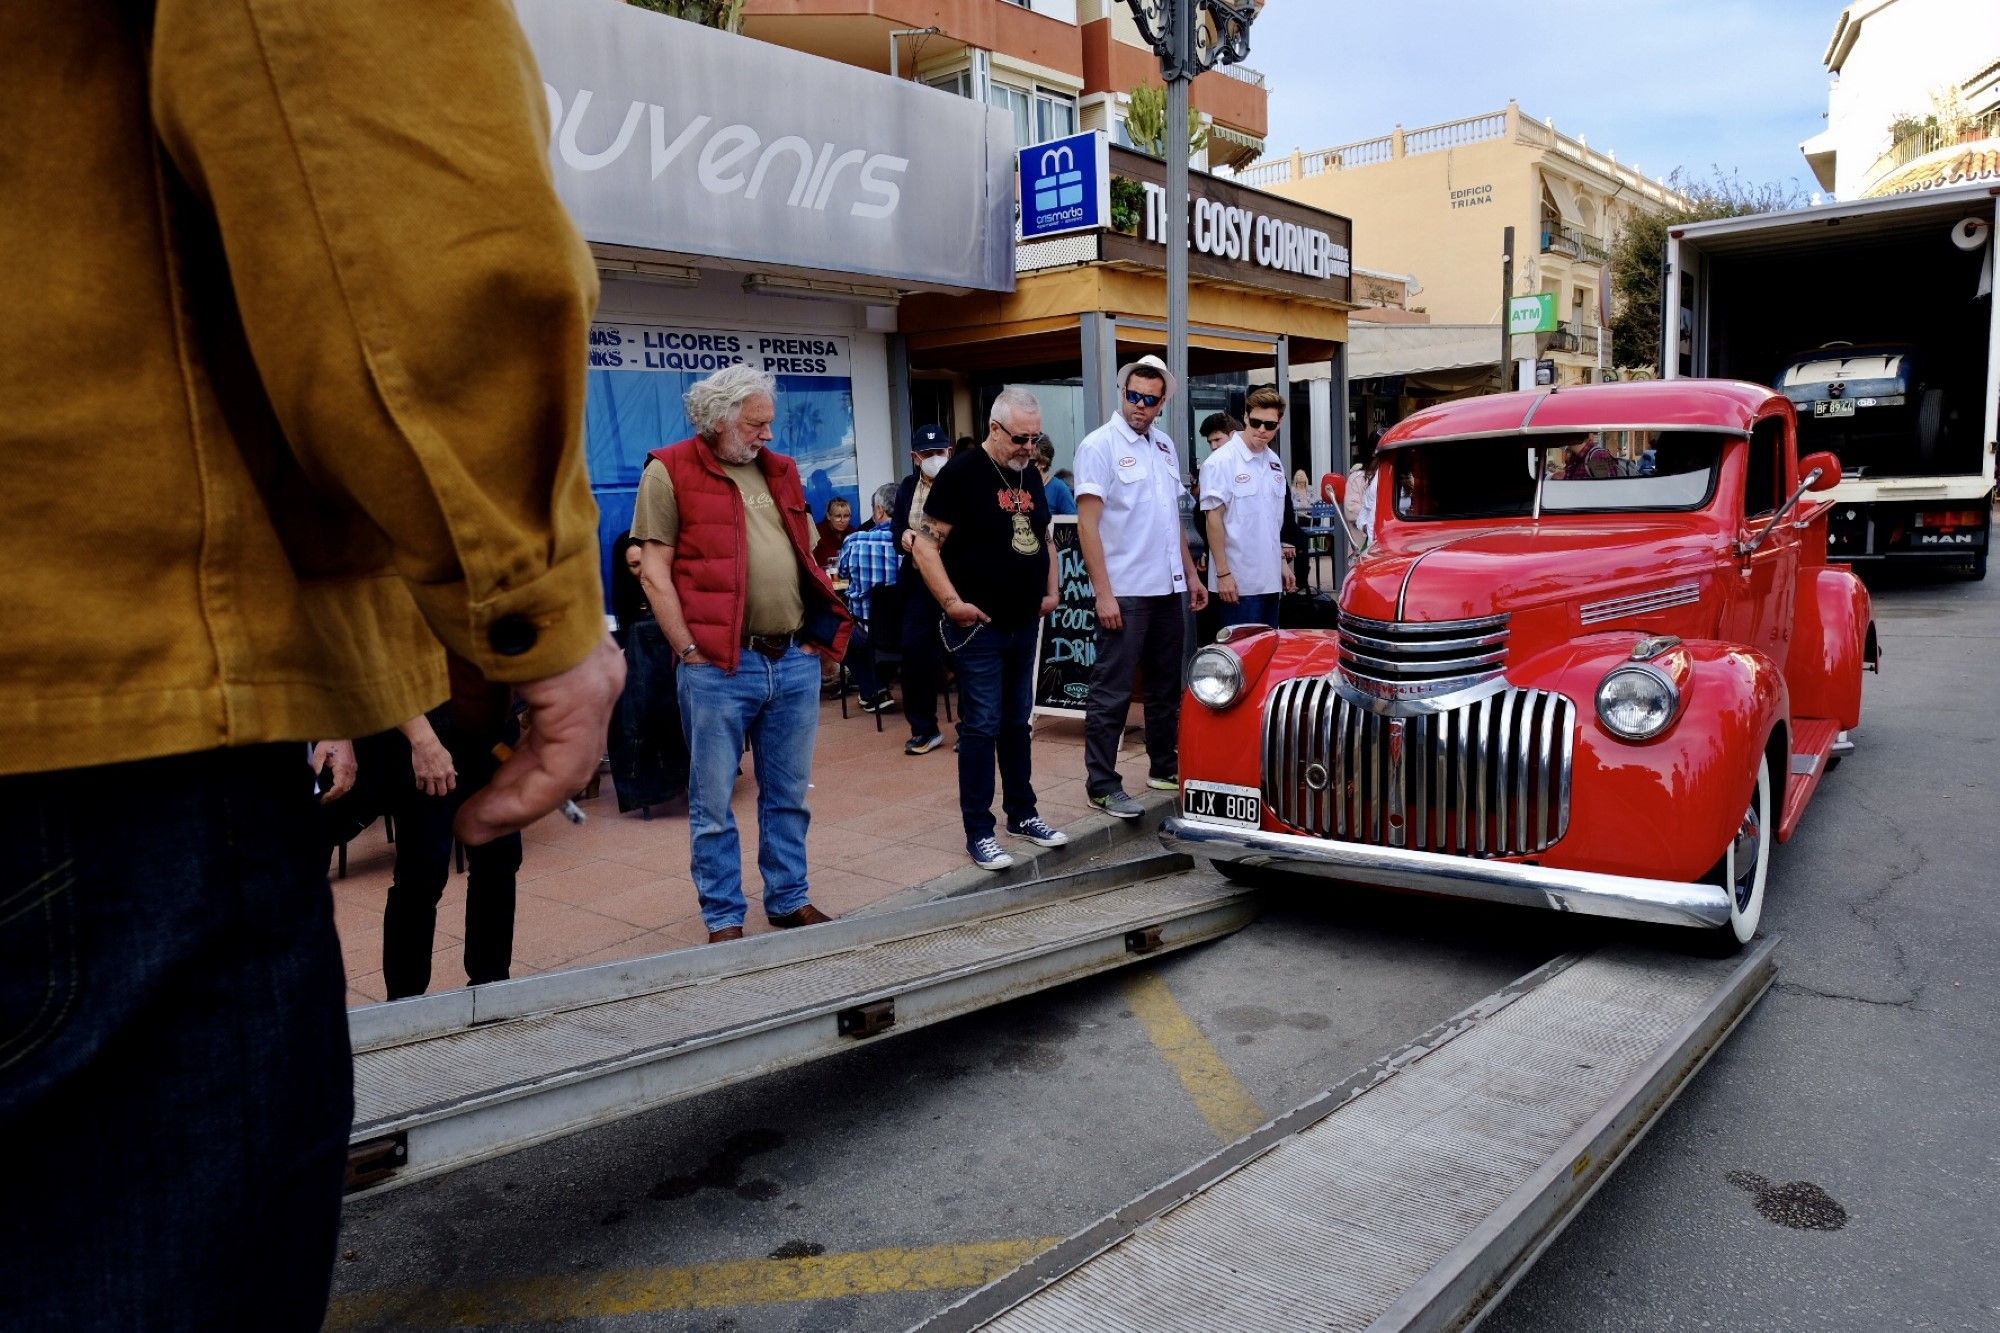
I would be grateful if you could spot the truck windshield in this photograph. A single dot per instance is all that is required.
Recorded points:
(1595, 472)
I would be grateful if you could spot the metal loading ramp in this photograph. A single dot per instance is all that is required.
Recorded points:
(1416, 1194)
(442, 1081)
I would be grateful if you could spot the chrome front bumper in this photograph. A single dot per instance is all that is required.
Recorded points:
(1666, 902)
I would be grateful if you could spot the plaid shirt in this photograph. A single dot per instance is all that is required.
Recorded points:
(867, 560)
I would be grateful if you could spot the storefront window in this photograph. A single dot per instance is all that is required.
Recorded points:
(1062, 412)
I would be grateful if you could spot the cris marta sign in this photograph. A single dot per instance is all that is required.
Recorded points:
(1065, 186)
(675, 137)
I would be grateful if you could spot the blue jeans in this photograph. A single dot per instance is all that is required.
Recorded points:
(174, 1072)
(996, 696)
(773, 706)
(1250, 609)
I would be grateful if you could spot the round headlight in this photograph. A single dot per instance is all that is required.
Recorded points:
(1637, 702)
(1216, 677)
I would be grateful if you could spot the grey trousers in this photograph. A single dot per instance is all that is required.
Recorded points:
(1148, 645)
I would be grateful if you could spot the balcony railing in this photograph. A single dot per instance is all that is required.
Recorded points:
(1559, 239)
(1243, 74)
(1451, 134)
(1572, 336)
(1929, 138)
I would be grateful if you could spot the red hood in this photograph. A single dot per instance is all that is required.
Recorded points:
(1462, 572)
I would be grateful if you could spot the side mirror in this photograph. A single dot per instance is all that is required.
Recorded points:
(1829, 470)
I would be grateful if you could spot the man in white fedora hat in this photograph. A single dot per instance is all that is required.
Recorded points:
(1128, 506)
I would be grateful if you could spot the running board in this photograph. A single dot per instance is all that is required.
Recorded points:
(1417, 1193)
(445, 1080)
(1813, 742)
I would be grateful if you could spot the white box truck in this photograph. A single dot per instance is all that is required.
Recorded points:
(1877, 318)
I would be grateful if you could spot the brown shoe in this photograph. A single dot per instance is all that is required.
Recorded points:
(726, 933)
(805, 916)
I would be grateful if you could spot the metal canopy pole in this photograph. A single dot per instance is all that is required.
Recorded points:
(1190, 37)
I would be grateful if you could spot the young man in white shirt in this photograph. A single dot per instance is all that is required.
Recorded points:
(1243, 493)
(1128, 498)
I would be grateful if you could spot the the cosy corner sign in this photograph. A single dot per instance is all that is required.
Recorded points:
(675, 137)
(1235, 234)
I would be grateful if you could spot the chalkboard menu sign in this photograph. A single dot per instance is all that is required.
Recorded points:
(1068, 648)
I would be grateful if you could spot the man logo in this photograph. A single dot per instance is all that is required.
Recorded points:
(1058, 184)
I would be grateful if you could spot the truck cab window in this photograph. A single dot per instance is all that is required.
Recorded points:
(1763, 480)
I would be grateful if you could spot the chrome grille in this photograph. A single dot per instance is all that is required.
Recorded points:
(1488, 778)
(1400, 662)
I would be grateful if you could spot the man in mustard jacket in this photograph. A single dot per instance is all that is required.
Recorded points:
(293, 352)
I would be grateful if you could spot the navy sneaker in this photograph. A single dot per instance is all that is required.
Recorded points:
(987, 854)
(923, 744)
(1038, 832)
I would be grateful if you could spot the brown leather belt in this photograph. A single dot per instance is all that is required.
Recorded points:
(773, 646)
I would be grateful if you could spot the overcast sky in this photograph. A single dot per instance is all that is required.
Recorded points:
(1664, 83)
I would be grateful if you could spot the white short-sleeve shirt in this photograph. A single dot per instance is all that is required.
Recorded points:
(1249, 487)
(1139, 480)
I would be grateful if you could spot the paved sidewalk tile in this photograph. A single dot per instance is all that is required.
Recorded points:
(618, 887)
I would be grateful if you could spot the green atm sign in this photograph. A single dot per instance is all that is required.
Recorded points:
(1532, 314)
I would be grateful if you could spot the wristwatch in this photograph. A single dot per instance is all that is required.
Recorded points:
(687, 652)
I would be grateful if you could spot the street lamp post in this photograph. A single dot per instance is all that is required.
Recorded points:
(1190, 37)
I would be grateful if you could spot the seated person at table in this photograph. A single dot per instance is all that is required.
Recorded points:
(867, 560)
(833, 529)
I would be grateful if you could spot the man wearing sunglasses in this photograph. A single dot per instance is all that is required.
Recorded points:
(1243, 497)
(983, 548)
(1128, 502)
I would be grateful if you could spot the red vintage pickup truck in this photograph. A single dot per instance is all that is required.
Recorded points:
(1594, 661)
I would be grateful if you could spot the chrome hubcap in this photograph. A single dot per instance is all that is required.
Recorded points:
(1743, 853)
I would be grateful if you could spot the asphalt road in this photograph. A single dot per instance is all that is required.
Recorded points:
(1832, 1168)
(1870, 1073)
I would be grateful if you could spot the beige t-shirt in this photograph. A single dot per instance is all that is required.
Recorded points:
(772, 604)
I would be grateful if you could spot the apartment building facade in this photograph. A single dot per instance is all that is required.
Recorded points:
(1913, 100)
(1083, 304)
(1435, 201)
(1053, 66)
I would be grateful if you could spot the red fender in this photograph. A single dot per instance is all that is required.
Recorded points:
(1831, 646)
(1664, 808)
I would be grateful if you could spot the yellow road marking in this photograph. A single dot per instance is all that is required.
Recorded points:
(695, 1287)
(1225, 1103)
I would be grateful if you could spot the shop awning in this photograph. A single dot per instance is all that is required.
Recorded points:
(1376, 350)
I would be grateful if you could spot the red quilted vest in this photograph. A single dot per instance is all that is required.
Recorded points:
(712, 557)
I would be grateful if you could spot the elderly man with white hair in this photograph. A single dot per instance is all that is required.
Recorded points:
(983, 549)
(727, 566)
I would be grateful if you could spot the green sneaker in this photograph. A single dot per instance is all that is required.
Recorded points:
(1118, 804)
(1171, 782)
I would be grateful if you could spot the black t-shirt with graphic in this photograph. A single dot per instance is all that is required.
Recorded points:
(998, 564)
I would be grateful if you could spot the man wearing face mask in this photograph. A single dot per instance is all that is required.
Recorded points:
(923, 655)
(982, 544)
(1128, 498)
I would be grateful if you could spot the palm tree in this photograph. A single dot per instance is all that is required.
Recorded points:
(724, 14)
